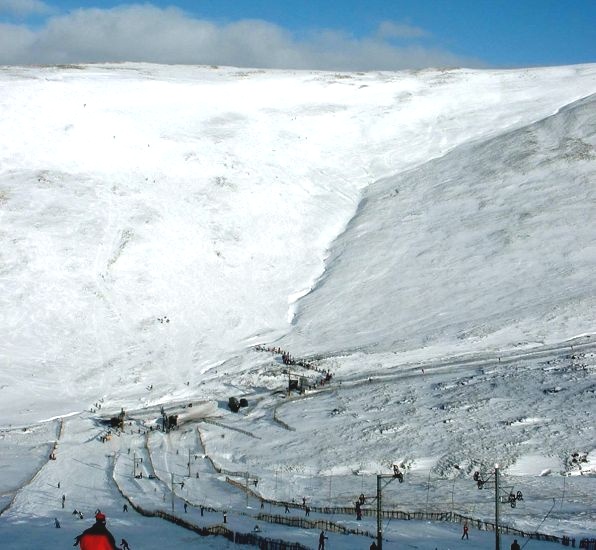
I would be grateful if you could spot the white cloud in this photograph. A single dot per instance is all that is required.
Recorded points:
(147, 33)
(23, 8)
(389, 29)
(14, 40)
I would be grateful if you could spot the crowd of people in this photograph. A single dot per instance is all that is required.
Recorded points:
(88, 540)
(289, 360)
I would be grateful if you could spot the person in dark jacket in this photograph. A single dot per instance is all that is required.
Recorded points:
(515, 545)
(322, 539)
(97, 537)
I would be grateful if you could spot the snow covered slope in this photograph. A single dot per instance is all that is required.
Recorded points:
(427, 237)
(161, 219)
(492, 245)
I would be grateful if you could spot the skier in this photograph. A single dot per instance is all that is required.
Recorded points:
(322, 539)
(125, 508)
(56, 523)
(97, 537)
(465, 533)
(185, 507)
(373, 546)
(124, 545)
(515, 545)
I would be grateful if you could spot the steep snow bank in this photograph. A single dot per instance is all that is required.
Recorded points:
(491, 246)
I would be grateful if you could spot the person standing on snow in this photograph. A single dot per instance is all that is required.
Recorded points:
(322, 539)
(465, 533)
(358, 510)
(515, 545)
(97, 537)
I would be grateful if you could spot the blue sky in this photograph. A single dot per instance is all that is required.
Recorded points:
(332, 34)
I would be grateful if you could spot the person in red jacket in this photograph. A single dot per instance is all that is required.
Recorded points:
(97, 537)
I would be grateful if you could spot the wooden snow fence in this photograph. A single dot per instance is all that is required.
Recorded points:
(263, 543)
(320, 524)
(228, 427)
(385, 514)
(389, 514)
(251, 539)
(504, 529)
(217, 468)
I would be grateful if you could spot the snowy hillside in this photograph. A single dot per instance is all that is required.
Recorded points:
(210, 196)
(427, 237)
(492, 245)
